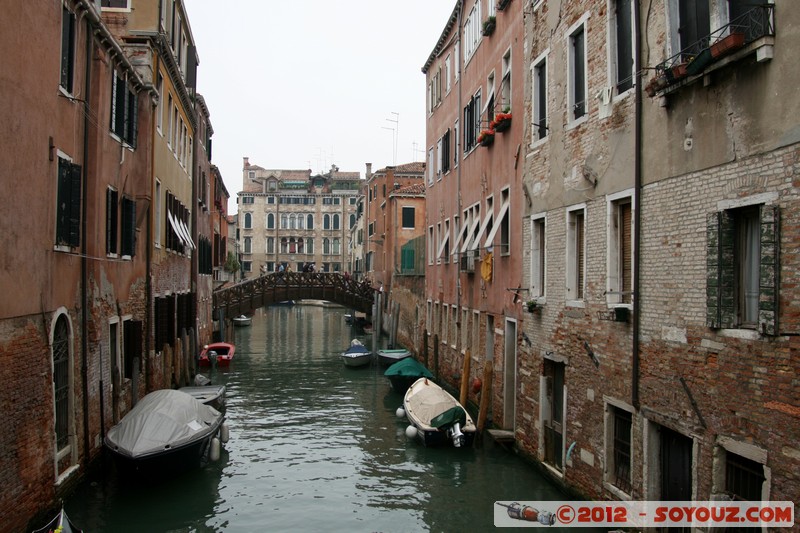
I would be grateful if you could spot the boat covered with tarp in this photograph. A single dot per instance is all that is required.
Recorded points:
(405, 372)
(436, 417)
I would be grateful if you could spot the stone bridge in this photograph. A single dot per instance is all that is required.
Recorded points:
(249, 295)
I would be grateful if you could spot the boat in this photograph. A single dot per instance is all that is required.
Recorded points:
(435, 417)
(61, 523)
(356, 355)
(242, 321)
(219, 352)
(388, 356)
(208, 394)
(167, 431)
(405, 372)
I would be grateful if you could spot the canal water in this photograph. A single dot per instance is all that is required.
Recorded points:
(314, 446)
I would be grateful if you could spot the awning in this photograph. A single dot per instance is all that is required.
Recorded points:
(503, 212)
(187, 234)
(477, 241)
(443, 244)
(175, 228)
(467, 239)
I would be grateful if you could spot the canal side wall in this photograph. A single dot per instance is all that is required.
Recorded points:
(409, 292)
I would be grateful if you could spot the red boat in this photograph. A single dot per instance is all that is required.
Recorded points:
(222, 352)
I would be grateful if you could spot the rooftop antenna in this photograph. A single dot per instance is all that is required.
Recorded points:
(395, 134)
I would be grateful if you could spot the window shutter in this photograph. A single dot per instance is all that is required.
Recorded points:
(720, 273)
(75, 205)
(769, 270)
(128, 227)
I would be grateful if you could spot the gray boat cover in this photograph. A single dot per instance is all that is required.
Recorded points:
(162, 420)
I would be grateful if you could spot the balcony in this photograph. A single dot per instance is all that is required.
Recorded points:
(752, 32)
(468, 260)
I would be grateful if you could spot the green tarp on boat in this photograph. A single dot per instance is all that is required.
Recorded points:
(450, 417)
(408, 367)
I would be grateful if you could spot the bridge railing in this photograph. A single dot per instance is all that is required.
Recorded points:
(275, 287)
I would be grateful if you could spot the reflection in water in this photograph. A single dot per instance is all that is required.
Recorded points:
(315, 446)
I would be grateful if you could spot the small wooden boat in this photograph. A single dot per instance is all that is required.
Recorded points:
(213, 395)
(167, 431)
(219, 352)
(388, 357)
(405, 372)
(61, 523)
(436, 417)
(356, 355)
(242, 321)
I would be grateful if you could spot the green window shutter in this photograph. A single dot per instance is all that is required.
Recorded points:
(712, 271)
(727, 271)
(74, 208)
(769, 271)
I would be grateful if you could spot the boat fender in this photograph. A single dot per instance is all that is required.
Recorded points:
(224, 433)
(400, 413)
(411, 431)
(215, 449)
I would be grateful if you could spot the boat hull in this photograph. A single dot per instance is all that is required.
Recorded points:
(357, 360)
(224, 354)
(213, 395)
(190, 456)
(390, 357)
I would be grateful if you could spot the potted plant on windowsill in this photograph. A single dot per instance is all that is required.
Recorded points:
(729, 43)
(501, 122)
(489, 25)
(486, 137)
(532, 306)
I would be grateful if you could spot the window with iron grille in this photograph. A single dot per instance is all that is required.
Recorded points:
(744, 478)
(61, 381)
(622, 449)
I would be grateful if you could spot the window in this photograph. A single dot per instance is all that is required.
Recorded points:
(503, 224)
(552, 412)
(447, 74)
(505, 83)
(538, 225)
(742, 287)
(128, 232)
(112, 207)
(124, 110)
(476, 331)
(326, 246)
(352, 223)
(694, 25)
(435, 89)
(620, 244)
(115, 4)
(336, 246)
(577, 73)
(326, 222)
(158, 213)
(248, 221)
(622, 44)
(309, 246)
(618, 447)
(430, 169)
(336, 221)
(576, 246)
(68, 209)
(472, 31)
(444, 153)
(67, 49)
(472, 121)
(248, 199)
(464, 329)
(270, 245)
(248, 245)
(310, 222)
(431, 245)
(371, 229)
(539, 99)
(62, 385)
(270, 221)
(408, 217)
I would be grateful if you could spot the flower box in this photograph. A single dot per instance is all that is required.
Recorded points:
(489, 25)
(486, 138)
(676, 73)
(501, 122)
(727, 44)
(699, 62)
(655, 85)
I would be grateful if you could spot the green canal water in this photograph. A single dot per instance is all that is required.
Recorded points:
(314, 446)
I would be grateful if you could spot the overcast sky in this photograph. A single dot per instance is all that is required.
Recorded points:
(304, 84)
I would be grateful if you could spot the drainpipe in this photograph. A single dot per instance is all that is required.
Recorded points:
(637, 202)
(458, 155)
(84, 250)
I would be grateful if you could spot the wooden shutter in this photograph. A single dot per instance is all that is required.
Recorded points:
(720, 273)
(128, 227)
(626, 284)
(769, 278)
(74, 205)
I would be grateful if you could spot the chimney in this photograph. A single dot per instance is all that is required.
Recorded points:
(246, 162)
(369, 170)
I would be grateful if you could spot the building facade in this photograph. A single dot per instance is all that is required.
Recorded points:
(474, 203)
(290, 219)
(75, 281)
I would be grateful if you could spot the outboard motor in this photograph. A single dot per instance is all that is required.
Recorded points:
(455, 434)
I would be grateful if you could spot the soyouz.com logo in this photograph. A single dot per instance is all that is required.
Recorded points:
(641, 514)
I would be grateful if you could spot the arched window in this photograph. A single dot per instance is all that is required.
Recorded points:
(292, 246)
(270, 221)
(309, 245)
(326, 222)
(326, 245)
(284, 221)
(62, 385)
(270, 245)
(336, 221)
(248, 220)
(352, 221)
(336, 246)
(301, 221)
(284, 245)
(310, 221)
